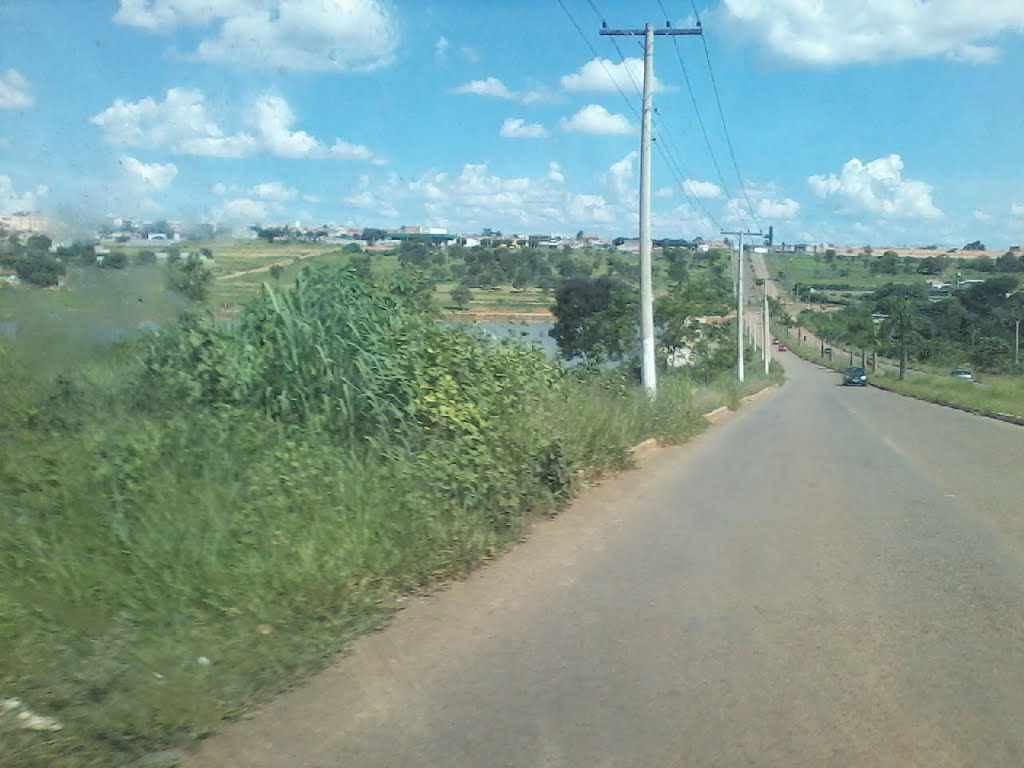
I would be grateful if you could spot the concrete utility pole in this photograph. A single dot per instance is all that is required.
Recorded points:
(1016, 343)
(766, 339)
(648, 371)
(739, 302)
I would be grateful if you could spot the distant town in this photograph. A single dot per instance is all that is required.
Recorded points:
(119, 230)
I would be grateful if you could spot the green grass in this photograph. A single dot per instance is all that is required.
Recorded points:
(173, 554)
(995, 394)
(809, 270)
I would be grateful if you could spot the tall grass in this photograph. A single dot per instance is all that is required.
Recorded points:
(196, 520)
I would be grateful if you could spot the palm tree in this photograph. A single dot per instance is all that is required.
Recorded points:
(902, 326)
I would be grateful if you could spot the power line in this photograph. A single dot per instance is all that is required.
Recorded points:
(696, 109)
(721, 115)
(674, 164)
(597, 56)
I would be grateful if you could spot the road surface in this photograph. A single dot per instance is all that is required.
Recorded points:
(830, 577)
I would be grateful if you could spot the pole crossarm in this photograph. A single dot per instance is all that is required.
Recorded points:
(641, 32)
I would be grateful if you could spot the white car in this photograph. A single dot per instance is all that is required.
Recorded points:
(963, 373)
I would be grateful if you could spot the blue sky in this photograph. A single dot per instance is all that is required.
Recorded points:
(882, 122)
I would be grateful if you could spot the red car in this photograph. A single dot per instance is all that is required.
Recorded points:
(783, 348)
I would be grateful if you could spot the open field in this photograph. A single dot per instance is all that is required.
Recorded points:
(808, 269)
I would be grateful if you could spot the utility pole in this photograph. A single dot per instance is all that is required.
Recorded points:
(1016, 343)
(739, 302)
(767, 339)
(648, 370)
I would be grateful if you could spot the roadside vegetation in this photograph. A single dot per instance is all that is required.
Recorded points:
(198, 516)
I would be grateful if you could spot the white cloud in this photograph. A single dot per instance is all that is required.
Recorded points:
(358, 35)
(606, 76)
(220, 188)
(1017, 209)
(849, 31)
(621, 176)
(475, 197)
(490, 86)
(441, 48)
(517, 128)
(703, 190)
(784, 209)
(470, 54)
(664, 192)
(242, 211)
(14, 93)
(984, 215)
(12, 201)
(182, 124)
(153, 175)
(273, 190)
(598, 121)
(878, 187)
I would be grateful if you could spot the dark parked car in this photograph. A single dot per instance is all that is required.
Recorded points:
(963, 373)
(857, 377)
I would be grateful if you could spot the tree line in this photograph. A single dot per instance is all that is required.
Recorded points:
(976, 325)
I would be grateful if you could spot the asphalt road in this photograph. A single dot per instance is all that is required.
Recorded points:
(831, 577)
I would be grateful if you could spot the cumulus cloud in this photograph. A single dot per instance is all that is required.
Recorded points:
(597, 121)
(12, 201)
(273, 190)
(704, 190)
(606, 76)
(622, 177)
(1017, 209)
(851, 31)
(182, 124)
(982, 215)
(517, 128)
(14, 91)
(878, 187)
(354, 35)
(242, 210)
(153, 175)
(476, 197)
(492, 86)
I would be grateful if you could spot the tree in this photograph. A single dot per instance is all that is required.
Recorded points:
(372, 235)
(145, 256)
(40, 268)
(270, 234)
(595, 319)
(191, 279)
(902, 325)
(461, 296)
(276, 270)
(39, 243)
(115, 260)
(887, 264)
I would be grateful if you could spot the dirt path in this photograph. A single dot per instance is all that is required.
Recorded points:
(268, 267)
